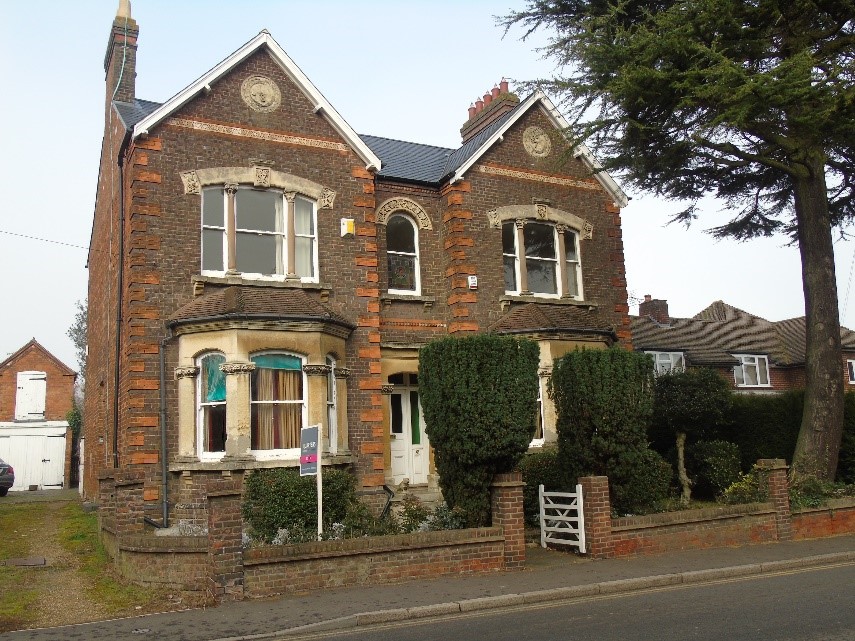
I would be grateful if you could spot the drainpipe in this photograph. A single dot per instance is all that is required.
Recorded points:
(119, 285)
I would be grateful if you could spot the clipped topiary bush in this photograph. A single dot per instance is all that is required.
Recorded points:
(715, 466)
(604, 401)
(479, 397)
(276, 499)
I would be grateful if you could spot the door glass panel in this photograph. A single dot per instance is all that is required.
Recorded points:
(397, 414)
(414, 418)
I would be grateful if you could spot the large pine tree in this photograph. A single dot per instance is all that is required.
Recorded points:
(750, 100)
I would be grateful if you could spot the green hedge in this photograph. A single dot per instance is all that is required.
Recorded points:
(604, 402)
(281, 498)
(479, 397)
(541, 467)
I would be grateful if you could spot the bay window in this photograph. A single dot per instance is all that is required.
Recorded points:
(277, 401)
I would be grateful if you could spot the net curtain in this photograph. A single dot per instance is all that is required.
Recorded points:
(277, 402)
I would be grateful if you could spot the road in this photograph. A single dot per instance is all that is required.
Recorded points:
(807, 605)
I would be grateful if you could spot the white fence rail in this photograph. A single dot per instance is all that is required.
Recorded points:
(561, 518)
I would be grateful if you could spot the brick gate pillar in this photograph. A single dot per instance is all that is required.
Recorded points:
(775, 471)
(597, 510)
(225, 531)
(507, 506)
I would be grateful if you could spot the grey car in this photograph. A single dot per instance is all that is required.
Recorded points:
(7, 477)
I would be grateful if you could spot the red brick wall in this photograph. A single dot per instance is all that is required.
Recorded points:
(835, 519)
(60, 382)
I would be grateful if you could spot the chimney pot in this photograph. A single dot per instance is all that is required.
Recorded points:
(479, 105)
(495, 91)
(488, 98)
(471, 111)
(647, 298)
(503, 86)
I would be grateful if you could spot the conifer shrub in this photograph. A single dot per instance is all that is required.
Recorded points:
(541, 467)
(479, 398)
(604, 402)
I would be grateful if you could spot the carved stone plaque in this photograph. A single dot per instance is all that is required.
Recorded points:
(537, 142)
(261, 94)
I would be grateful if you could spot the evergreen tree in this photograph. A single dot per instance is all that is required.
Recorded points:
(751, 101)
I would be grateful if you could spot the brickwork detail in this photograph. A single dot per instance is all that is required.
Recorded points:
(506, 503)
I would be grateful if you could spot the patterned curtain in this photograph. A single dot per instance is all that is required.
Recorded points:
(277, 402)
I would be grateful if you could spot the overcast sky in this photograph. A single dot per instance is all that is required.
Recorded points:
(405, 70)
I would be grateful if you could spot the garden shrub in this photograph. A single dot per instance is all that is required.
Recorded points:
(541, 467)
(479, 397)
(714, 466)
(604, 402)
(764, 426)
(750, 488)
(279, 498)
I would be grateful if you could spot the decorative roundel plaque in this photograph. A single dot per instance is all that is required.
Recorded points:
(261, 94)
(536, 142)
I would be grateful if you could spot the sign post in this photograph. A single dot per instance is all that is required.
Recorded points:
(310, 463)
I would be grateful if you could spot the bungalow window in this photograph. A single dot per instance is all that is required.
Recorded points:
(541, 259)
(277, 402)
(258, 233)
(402, 254)
(752, 371)
(211, 421)
(850, 366)
(667, 362)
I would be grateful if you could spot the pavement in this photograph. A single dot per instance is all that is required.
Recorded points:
(550, 576)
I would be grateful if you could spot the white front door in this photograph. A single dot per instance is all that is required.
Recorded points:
(407, 439)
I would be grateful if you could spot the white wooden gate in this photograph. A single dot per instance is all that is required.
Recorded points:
(561, 518)
(38, 456)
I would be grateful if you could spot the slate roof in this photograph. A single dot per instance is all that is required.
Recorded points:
(544, 318)
(714, 334)
(132, 112)
(255, 302)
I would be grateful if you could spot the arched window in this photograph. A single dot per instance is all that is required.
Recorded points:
(277, 401)
(402, 252)
(211, 406)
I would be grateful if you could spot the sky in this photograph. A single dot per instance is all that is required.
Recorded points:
(405, 70)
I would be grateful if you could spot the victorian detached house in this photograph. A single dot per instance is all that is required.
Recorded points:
(258, 266)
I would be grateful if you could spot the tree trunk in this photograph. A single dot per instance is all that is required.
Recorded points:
(818, 445)
(685, 482)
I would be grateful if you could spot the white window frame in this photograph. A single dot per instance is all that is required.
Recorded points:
(538, 442)
(563, 266)
(283, 453)
(850, 366)
(749, 360)
(282, 235)
(416, 258)
(667, 362)
(332, 406)
(200, 412)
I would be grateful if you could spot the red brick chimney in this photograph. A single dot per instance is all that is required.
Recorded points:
(655, 309)
(120, 61)
(486, 109)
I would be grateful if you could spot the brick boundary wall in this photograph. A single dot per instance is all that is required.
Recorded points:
(507, 508)
(713, 527)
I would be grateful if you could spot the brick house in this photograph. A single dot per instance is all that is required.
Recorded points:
(36, 393)
(755, 354)
(257, 266)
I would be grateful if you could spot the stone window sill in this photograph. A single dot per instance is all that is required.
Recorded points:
(506, 300)
(233, 465)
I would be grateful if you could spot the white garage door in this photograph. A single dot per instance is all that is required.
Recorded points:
(38, 459)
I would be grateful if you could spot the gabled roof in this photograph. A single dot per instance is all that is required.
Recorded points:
(581, 151)
(262, 40)
(713, 335)
(34, 344)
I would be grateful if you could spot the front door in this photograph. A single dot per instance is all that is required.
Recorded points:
(408, 442)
